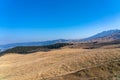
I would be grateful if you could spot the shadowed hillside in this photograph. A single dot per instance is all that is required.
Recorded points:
(87, 45)
(31, 49)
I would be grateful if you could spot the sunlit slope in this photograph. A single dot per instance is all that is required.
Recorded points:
(60, 64)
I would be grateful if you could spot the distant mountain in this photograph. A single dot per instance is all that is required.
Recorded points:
(42, 43)
(104, 36)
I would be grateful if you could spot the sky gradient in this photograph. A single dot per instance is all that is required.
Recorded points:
(40, 20)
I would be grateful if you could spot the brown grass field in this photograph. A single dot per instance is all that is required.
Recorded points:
(62, 64)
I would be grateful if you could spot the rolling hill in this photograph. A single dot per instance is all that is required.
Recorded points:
(62, 64)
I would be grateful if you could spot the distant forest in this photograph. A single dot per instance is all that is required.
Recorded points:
(31, 49)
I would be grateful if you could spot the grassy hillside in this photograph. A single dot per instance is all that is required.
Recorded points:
(62, 64)
(107, 71)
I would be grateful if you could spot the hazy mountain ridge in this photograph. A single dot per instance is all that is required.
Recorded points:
(104, 36)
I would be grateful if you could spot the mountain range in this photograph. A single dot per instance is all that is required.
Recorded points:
(105, 36)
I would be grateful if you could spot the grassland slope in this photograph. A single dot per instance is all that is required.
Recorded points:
(62, 64)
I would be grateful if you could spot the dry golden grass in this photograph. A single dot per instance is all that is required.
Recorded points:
(40, 65)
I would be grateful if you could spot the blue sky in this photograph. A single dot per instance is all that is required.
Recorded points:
(39, 20)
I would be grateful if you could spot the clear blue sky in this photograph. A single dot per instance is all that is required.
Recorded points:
(39, 20)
